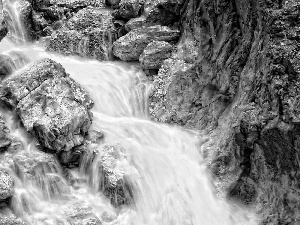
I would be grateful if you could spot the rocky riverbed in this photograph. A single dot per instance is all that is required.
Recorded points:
(228, 69)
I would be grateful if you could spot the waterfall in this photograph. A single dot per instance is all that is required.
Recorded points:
(165, 175)
(16, 24)
(162, 163)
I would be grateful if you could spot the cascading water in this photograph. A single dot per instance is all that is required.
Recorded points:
(162, 163)
(16, 24)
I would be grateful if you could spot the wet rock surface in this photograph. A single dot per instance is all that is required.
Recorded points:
(6, 185)
(132, 45)
(89, 33)
(154, 54)
(80, 214)
(51, 105)
(240, 84)
(104, 163)
(128, 9)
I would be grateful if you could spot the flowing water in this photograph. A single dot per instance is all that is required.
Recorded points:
(16, 24)
(168, 177)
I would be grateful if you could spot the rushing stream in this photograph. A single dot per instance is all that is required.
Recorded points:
(162, 162)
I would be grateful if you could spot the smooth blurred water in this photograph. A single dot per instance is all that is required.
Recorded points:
(162, 162)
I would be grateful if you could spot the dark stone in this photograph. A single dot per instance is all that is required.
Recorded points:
(132, 45)
(154, 55)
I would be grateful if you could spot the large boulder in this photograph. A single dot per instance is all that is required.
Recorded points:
(132, 45)
(6, 185)
(154, 54)
(89, 33)
(51, 105)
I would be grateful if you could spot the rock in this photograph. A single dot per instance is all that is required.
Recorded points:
(3, 30)
(110, 177)
(154, 54)
(128, 9)
(5, 139)
(7, 217)
(51, 105)
(13, 90)
(113, 2)
(240, 83)
(11, 61)
(10, 220)
(89, 33)
(74, 4)
(43, 170)
(72, 158)
(79, 213)
(39, 22)
(164, 12)
(132, 45)
(31, 165)
(6, 185)
(135, 23)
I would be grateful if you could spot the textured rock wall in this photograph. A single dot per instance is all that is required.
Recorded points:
(236, 74)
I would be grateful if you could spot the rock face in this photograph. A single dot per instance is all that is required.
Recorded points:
(89, 33)
(154, 54)
(51, 105)
(236, 74)
(6, 185)
(132, 45)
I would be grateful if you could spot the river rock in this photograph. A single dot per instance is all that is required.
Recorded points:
(164, 12)
(5, 139)
(132, 45)
(10, 220)
(89, 33)
(113, 2)
(72, 158)
(39, 22)
(6, 185)
(154, 54)
(43, 170)
(51, 105)
(102, 163)
(30, 165)
(80, 213)
(3, 30)
(128, 9)
(114, 183)
(135, 23)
